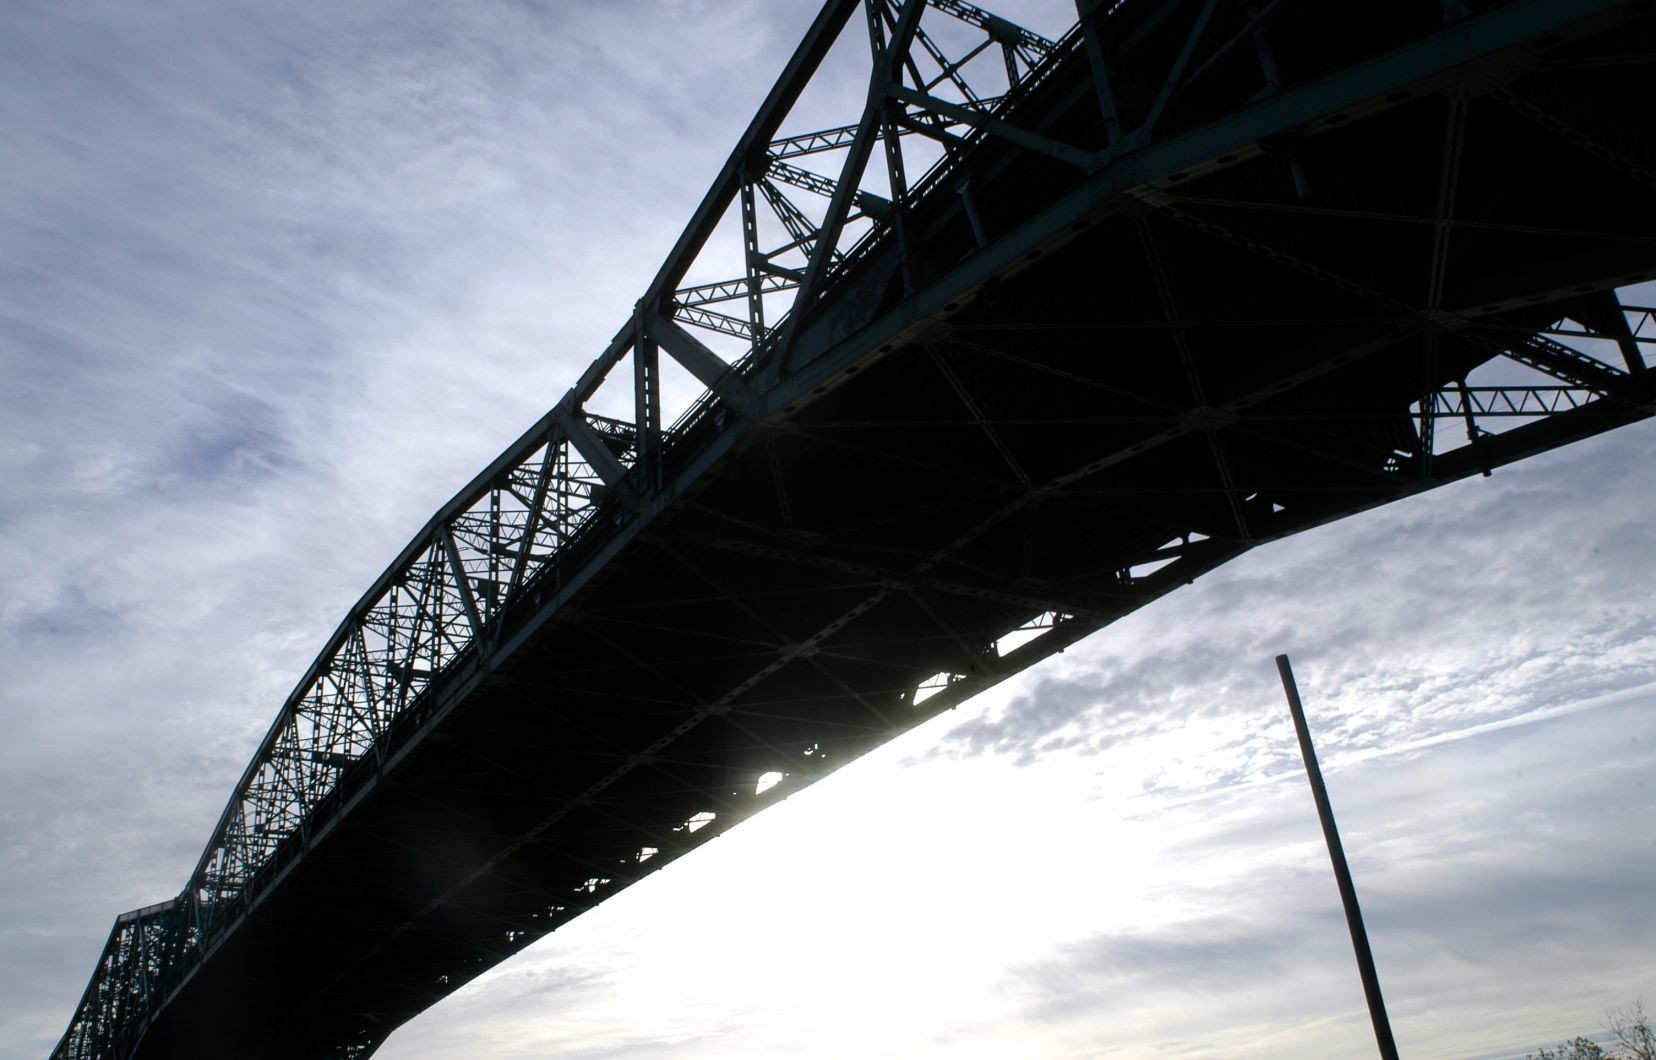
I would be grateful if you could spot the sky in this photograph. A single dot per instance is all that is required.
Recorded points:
(274, 283)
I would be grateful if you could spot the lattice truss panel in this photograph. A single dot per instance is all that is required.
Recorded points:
(961, 64)
(1565, 366)
(506, 535)
(788, 222)
(129, 981)
(453, 581)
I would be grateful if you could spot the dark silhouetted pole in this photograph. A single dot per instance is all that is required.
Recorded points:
(1342, 874)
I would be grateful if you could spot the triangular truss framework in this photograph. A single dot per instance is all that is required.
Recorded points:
(942, 76)
(502, 537)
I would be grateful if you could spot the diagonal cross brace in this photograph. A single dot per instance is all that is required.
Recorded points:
(705, 365)
(856, 159)
(996, 127)
(462, 584)
(591, 447)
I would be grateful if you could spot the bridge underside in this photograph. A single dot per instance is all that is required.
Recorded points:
(1176, 372)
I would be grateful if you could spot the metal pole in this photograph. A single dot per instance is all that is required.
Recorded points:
(1342, 874)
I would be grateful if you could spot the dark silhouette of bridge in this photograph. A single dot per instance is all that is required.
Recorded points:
(1043, 331)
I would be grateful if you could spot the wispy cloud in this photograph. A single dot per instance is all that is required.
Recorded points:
(1502, 883)
(274, 283)
(1453, 609)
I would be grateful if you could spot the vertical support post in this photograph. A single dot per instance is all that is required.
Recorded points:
(1085, 10)
(496, 544)
(1175, 74)
(751, 258)
(896, 178)
(1272, 75)
(1472, 432)
(1428, 404)
(968, 202)
(884, 75)
(898, 181)
(646, 398)
(1342, 873)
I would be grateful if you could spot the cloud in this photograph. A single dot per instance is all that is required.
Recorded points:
(1503, 877)
(277, 282)
(1484, 600)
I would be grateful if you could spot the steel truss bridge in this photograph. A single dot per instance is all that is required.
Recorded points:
(1044, 330)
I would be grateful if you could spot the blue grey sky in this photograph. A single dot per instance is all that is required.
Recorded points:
(276, 281)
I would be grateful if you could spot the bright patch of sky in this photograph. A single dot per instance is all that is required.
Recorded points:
(275, 282)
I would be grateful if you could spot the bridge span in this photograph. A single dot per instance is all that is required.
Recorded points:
(1042, 331)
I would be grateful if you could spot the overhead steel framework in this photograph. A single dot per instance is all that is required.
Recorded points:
(1042, 331)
